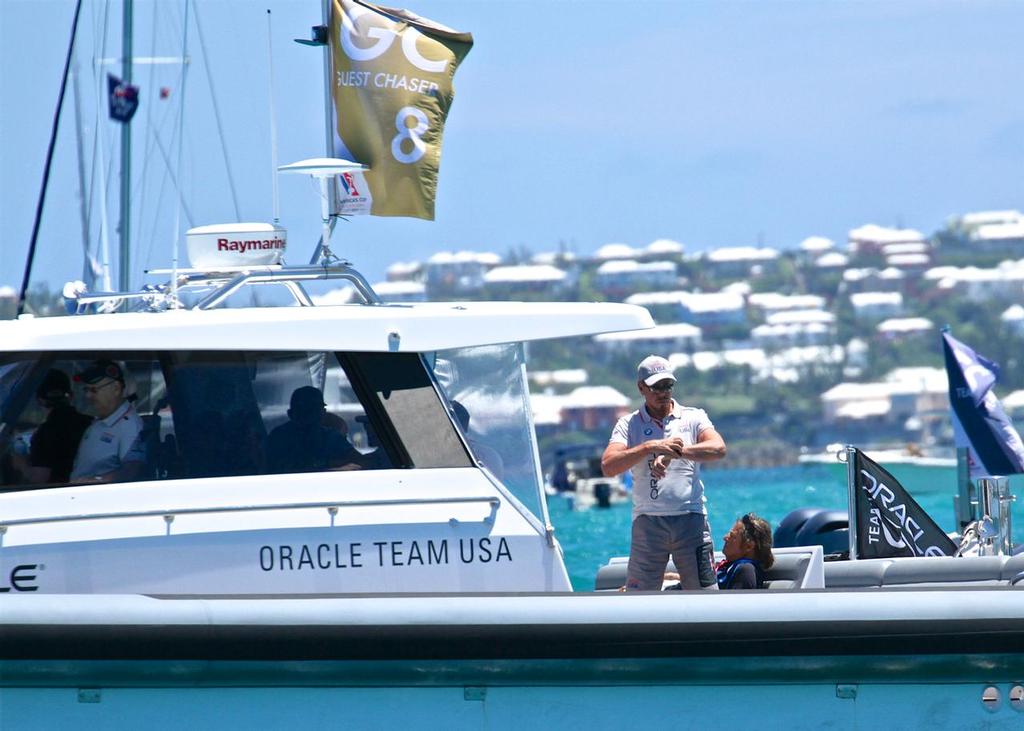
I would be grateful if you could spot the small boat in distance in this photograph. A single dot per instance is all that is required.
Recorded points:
(916, 469)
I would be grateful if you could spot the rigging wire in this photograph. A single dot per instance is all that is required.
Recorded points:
(98, 151)
(141, 190)
(156, 140)
(49, 162)
(181, 144)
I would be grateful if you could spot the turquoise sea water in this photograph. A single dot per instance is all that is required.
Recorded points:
(590, 537)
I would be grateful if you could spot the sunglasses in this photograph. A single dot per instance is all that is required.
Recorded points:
(662, 386)
(97, 389)
(748, 526)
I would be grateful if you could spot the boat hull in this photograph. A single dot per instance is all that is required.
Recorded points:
(812, 658)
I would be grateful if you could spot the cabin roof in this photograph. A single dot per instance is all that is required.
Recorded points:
(420, 327)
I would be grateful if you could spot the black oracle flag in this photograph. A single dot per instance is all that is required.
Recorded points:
(890, 522)
(123, 99)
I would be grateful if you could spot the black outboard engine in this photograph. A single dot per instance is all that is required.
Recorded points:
(603, 494)
(829, 529)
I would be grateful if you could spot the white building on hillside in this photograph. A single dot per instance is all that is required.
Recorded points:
(664, 249)
(619, 278)
(868, 306)
(680, 337)
(771, 302)
(564, 377)
(784, 366)
(832, 260)
(1013, 318)
(739, 261)
(903, 327)
(461, 272)
(594, 408)
(906, 393)
(873, 238)
(401, 291)
(402, 271)
(1005, 281)
(609, 252)
(709, 309)
(508, 281)
(816, 245)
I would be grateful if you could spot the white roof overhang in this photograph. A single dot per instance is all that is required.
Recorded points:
(420, 327)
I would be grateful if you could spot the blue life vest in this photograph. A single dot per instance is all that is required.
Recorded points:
(726, 572)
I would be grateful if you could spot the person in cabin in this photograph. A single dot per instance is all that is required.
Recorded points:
(664, 443)
(55, 442)
(112, 448)
(487, 456)
(747, 548)
(304, 443)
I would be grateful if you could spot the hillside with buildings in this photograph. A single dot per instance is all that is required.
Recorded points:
(787, 349)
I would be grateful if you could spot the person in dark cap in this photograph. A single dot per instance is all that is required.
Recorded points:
(54, 444)
(304, 443)
(112, 448)
(664, 443)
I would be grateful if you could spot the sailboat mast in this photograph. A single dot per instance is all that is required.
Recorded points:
(124, 265)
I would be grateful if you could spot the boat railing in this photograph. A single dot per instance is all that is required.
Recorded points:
(332, 507)
(226, 282)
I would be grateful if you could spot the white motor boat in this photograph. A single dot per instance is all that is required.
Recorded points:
(418, 582)
(426, 574)
(918, 471)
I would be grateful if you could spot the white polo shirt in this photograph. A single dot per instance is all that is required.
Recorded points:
(680, 490)
(109, 443)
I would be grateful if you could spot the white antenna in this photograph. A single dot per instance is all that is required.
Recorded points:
(273, 121)
(324, 169)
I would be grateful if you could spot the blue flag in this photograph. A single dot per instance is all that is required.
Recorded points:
(979, 422)
(123, 99)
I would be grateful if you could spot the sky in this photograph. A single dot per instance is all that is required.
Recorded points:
(574, 124)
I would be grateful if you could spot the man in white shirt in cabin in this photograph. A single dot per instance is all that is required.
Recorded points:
(112, 448)
(663, 443)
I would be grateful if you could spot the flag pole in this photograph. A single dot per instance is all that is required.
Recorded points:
(851, 495)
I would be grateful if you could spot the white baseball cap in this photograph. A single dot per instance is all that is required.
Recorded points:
(654, 368)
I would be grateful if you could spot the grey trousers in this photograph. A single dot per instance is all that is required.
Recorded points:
(686, 537)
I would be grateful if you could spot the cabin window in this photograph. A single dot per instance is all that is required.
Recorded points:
(40, 431)
(486, 389)
(211, 414)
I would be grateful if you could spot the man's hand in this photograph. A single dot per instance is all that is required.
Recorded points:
(618, 458)
(671, 447)
(660, 466)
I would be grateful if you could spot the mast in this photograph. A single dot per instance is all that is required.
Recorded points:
(124, 265)
(88, 273)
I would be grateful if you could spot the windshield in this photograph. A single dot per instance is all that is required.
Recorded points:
(486, 387)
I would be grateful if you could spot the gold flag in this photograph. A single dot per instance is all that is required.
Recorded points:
(391, 81)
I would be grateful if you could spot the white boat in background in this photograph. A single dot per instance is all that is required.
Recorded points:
(577, 477)
(916, 470)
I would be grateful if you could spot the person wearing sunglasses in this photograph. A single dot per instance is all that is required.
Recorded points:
(747, 548)
(112, 448)
(664, 443)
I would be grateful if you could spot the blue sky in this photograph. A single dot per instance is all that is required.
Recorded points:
(715, 124)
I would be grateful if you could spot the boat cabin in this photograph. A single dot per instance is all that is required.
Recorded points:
(436, 486)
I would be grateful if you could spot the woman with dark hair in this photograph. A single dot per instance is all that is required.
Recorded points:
(748, 554)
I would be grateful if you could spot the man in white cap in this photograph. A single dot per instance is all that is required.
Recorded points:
(664, 442)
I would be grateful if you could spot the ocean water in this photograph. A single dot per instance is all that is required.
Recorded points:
(590, 537)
